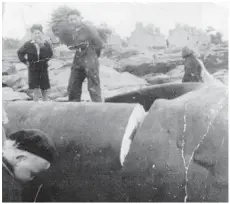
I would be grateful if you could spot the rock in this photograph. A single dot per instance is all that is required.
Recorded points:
(5, 119)
(190, 132)
(59, 72)
(141, 65)
(173, 58)
(8, 94)
(117, 52)
(63, 51)
(20, 66)
(56, 64)
(58, 91)
(138, 65)
(8, 68)
(147, 95)
(61, 99)
(177, 72)
(222, 75)
(109, 84)
(172, 50)
(216, 60)
(15, 81)
(162, 79)
(207, 77)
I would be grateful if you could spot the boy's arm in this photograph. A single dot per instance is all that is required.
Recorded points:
(22, 52)
(94, 37)
(50, 50)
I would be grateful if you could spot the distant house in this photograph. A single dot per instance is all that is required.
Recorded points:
(182, 36)
(114, 40)
(144, 38)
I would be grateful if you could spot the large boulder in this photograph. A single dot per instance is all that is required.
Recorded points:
(20, 66)
(8, 68)
(180, 152)
(15, 81)
(174, 75)
(217, 59)
(59, 73)
(8, 94)
(162, 79)
(141, 65)
(138, 65)
(207, 77)
(222, 75)
(118, 52)
(109, 84)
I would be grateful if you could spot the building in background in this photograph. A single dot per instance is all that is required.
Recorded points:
(114, 39)
(182, 36)
(146, 37)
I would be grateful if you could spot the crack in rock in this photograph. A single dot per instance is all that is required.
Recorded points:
(220, 106)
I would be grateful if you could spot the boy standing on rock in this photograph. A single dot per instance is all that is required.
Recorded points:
(192, 67)
(38, 53)
(88, 45)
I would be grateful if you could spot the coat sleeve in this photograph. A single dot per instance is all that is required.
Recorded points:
(50, 50)
(94, 37)
(188, 67)
(22, 52)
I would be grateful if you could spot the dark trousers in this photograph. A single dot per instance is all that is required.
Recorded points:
(38, 76)
(87, 67)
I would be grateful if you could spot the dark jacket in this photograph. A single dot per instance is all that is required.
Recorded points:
(192, 69)
(30, 50)
(87, 37)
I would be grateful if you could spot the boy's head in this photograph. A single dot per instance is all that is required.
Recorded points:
(37, 32)
(26, 153)
(74, 18)
(186, 52)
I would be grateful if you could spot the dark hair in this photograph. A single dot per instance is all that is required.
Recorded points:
(36, 27)
(36, 142)
(73, 12)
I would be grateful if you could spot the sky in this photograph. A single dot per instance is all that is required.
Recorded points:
(120, 16)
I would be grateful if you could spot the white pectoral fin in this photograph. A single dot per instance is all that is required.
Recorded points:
(134, 123)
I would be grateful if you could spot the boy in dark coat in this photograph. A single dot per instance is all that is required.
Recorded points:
(88, 45)
(38, 53)
(192, 67)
